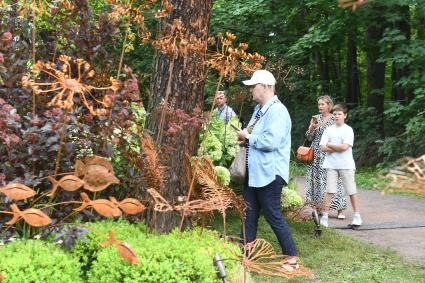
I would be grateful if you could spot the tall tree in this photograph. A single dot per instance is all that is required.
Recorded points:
(180, 81)
(400, 93)
(353, 86)
(375, 69)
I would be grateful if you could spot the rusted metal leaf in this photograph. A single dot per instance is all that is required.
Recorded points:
(17, 191)
(32, 216)
(102, 206)
(124, 249)
(259, 257)
(129, 205)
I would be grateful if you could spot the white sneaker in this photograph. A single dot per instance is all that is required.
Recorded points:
(357, 220)
(324, 221)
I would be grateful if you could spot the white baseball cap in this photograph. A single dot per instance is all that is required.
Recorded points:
(261, 77)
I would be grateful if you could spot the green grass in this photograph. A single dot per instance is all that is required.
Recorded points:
(335, 257)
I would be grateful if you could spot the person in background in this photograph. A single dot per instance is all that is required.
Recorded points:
(337, 141)
(268, 141)
(225, 112)
(316, 175)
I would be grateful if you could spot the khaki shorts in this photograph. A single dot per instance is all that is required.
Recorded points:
(347, 177)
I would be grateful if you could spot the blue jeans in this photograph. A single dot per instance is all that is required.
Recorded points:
(267, 198)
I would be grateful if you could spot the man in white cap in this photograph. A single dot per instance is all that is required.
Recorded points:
(225, 112)
(268, 141)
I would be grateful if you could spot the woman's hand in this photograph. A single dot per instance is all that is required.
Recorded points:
(242, 136)
(313, 124)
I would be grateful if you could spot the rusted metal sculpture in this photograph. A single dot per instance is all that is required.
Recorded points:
(17, 191)
(61, 83)
(32, 216)
(353, 4)
(409, 176)
(124, 249)
(260, 257)
(102, 206)
(96, 172)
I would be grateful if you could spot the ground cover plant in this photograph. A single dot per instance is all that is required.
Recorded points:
(335, 257)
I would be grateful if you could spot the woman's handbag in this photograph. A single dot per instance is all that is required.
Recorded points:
(305, 153)
(238, 167)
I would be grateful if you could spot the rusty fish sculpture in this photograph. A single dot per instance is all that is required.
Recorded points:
(102, 206)
(32, 216)
(96, 172)
(129, 205)
(69, 183)
(17, 191)
(124, 249)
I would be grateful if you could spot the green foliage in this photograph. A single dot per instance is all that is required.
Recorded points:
(176, 257)
(39, 262)
(220, 142)
(224, 174)
(86, 251)
(290, 198)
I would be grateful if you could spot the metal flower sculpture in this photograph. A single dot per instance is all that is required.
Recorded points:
(227, 58)
(65, 82)
(260, 257)
(409, 177)
(137, 12)
(175, 41)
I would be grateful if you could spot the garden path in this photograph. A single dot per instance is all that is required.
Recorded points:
(388, 210)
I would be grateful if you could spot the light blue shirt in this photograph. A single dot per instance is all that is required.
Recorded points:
(269, 144)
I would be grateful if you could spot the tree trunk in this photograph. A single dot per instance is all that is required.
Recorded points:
(400, 93)
(182, 81)
(353, 86)
(375, 70)
(323, 70)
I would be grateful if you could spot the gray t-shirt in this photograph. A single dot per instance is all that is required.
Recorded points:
(339, 135)
(225, 113)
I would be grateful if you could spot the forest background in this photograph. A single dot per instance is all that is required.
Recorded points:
(372, 58)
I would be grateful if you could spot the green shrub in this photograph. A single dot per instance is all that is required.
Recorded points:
(290, 198)
(87, 251)
(175, 257)
(37, 261)
(220, 143)
(224, 174)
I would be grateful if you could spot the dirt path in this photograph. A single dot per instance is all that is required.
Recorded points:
(386, 211)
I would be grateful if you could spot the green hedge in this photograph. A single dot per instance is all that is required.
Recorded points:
(174, 257)
(37, 261)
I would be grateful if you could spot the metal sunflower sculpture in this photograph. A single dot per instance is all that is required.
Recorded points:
(66, 82)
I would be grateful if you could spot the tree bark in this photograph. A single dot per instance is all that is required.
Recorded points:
(353, 86)
(323, 70)
(400, 93)
(183, 79)
(375, 70)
